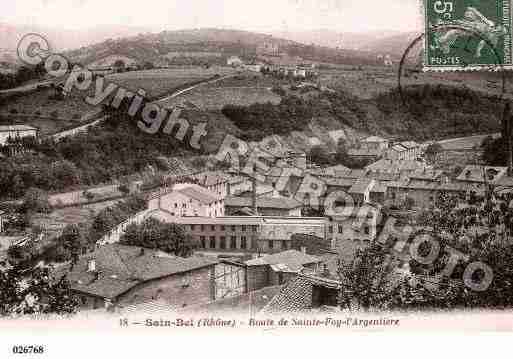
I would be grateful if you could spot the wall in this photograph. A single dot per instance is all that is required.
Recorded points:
(258, 277)
(13, 134)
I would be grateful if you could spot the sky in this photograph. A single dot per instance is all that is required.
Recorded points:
(251, 15)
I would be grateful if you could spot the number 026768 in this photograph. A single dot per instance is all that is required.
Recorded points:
(28, 349)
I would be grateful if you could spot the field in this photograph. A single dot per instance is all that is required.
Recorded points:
(368, 82)
(59, 218)
(465, 143)
(215, 98)
(40, 110)
(161, 82)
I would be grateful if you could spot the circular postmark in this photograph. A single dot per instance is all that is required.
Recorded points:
(464, 62)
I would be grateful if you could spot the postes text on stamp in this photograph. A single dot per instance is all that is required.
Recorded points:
(467, 34)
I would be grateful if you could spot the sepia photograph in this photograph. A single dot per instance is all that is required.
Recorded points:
(287, 167)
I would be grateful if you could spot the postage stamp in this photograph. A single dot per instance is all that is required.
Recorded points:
(467, 35)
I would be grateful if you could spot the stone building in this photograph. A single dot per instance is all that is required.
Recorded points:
(118, 275)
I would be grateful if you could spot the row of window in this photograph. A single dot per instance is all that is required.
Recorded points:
(222, 227)
(341, 229)
(225, 243)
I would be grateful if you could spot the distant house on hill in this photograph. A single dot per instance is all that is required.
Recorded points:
(234, 61)
(118, 275)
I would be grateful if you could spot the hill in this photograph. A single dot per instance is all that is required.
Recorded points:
(209, 45)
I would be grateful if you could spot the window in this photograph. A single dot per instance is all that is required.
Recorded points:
(233, 228)
(213, 227)
(330, 229)
(271, 245)
(184, 205)
(243, 243)
(212, 242)
(190, 201)
(223, 227)
(243, 228)
(366, 230)
(233, 242)
(223, 243)
(192, 227)
(340, 229)
(176, 205)
(203, 242)
(255, 228)
(202, 227)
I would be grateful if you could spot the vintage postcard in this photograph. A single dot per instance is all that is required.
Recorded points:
(307, 168)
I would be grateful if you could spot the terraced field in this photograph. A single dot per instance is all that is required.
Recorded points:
(215, 98)
(161, 82)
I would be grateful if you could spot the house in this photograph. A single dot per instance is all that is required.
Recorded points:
(407, 150)
(279, 268)
(396, 166)
(188, 200)
(359, 224)
(481, 174)
(304, 293)
(246, 234)
(214, 181)
(234, 61)
(427, 176)
(118, 275)
(375, 143)
(267, 206)
(14, 132)
(365, 154)
(360, 190)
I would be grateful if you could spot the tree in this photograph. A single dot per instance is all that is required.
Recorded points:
(34, 291)
(320, 156)
(432, 151)
(69, 244)
(119, 66)
(168, 237)
(35, 200)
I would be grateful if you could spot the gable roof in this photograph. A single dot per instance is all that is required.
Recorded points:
(263, 202)
(361, 185)
(198, 193)
(375, 139)
(290, 258)
(475, 173)
(120, 267)
(10, 128)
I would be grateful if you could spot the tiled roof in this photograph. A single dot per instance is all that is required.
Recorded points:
(505, 181)
(429, 175)
(263, 202)
(341, 182)
(395, 166)
(375, 139)
(211, 178)
(11, 128)
(361, 185)
(290, 257)
(198, 193)
(473, 173)
(296, 296)
(365, 152)
(409, 144)
(119, 268)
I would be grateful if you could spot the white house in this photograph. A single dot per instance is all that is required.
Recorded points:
(16, 131)
(234, 61)
(188, 200)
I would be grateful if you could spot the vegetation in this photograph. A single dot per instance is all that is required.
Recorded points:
(153, 234)
(34, 291)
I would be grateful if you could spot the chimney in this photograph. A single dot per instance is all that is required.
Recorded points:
(254, 195)
(141, 253)
(91, 265)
